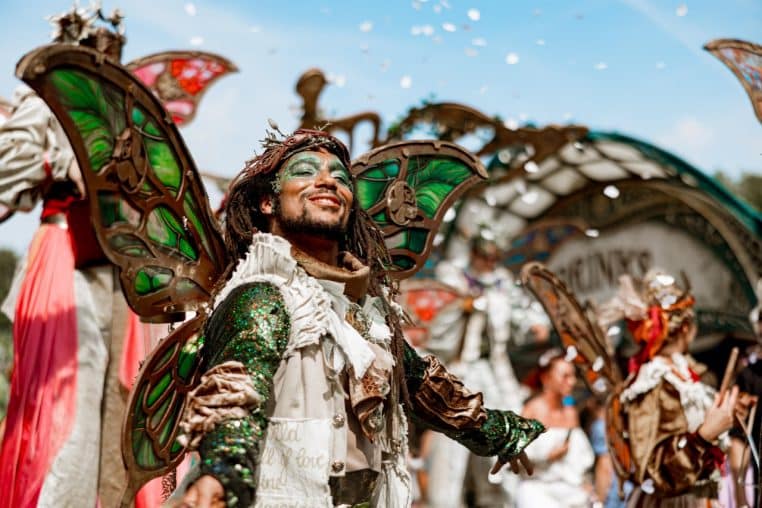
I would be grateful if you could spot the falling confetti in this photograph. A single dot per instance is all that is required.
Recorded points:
(661, 65)
(471, 52)
(474, 14)
(598, 364)
(255, 29)
(483, 89)
(427, 30)
(190, 9)
(511, 124)
(479, 41)
(449, 27)
(611, 191)
(681, 10)
(537, 12)
(540, 42)
(613, 331)
(366, 26)
(531, 167)
(511, 58)
(601, 66)
(196, 41)
(437, 9)
(568, 116)
(648, 486)
(406, 82)
(571, 354)
(592, 233)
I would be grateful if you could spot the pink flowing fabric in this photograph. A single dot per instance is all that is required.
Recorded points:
(43, 384)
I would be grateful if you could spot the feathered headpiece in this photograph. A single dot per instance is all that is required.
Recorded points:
(80, 26)
(653, 308)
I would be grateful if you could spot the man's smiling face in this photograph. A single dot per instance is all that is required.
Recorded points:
(315, 195)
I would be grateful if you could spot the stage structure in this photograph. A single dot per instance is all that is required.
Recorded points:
(591, 205)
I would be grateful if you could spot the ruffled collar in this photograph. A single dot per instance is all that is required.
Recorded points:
(354, 275)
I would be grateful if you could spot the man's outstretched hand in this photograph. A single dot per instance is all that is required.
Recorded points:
(517, 464)
(206, 492)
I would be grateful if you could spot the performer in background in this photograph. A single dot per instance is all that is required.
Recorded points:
(472, 338)
(563, 455)
(77, 346)
(675, 425)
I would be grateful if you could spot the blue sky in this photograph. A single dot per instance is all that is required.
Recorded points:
(634, 66)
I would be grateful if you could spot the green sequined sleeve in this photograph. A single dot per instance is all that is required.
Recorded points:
(441, 402)
(250, 326)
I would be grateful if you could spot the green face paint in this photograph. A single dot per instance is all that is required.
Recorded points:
(308, 165)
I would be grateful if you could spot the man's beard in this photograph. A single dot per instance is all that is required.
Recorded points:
(306, 226)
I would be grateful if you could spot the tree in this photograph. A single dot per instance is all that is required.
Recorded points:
(748, 187)
(8, 260)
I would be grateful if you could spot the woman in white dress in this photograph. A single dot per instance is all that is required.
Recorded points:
(562, 456)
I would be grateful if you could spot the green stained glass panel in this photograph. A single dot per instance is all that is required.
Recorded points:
(162, 159)
(191, 212)
(157, 391)
(96, 108)
(163, 227)
(151, 279)
(433, 178)
(372, 183)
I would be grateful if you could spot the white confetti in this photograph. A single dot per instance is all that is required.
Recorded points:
(540, 42)
(196, 41)
(592, 233)
(449, 215)
(511, 124)
(648, 486)
(340, 80)
(571, 354)
(682, 442)
(449, 27)
(511, 58)
(599, 385)
(366, 26)
(480, 303)
(415, 30)
(406, 82)
(255, 29)
(531, 167)
(601, 66)
(568, 116)
(417, 5)
(537, 12)
(474, 14)
(523, 117)
(427, 30)
(613, 331)
(471, 52)
(483, 89)
(190, 9)
(479, 41)
(437, 9)
(445, 4)
(598, 364)
(681, 10)
(438, 239)
(611, 191)
(661, 65)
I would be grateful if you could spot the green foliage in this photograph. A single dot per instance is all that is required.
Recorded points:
(748, 187)
(8, 260)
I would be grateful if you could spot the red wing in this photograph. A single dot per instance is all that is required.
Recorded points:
(422, 299)
(180, 78)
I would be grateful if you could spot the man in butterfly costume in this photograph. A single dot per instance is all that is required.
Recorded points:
(308, 378)
(77, 346)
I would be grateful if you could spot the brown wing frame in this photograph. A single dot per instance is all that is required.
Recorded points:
(744, 59)
(406, 188)
(148, 205)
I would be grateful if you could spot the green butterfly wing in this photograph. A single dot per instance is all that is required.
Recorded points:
(156, 404)
(149, 208)
(406, 188)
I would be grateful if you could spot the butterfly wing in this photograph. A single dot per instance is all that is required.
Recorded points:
(181, 78)
(578, 329)
(406, 188)
(156, 404)
(148, 205)
(744, 59)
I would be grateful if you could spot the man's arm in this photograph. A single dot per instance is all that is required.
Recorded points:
(251, 327)
(441, 402)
